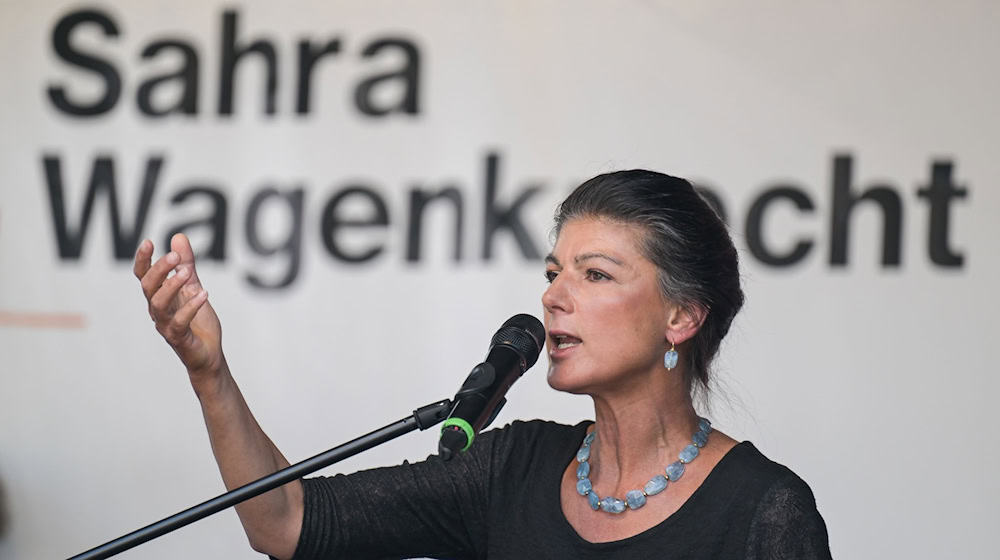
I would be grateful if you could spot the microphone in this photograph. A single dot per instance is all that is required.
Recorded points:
(514, 349)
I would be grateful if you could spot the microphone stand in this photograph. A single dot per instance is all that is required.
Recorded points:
(422, 418)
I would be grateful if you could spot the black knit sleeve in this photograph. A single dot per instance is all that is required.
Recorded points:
(432, 508)
(787, 524)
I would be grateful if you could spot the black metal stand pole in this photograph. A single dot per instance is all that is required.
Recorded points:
(422, 418)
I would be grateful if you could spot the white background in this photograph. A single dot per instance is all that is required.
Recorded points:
(874, 384)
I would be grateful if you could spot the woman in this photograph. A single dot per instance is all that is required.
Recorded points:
(644, 284)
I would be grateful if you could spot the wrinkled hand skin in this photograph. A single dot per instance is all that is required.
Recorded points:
(178, 305)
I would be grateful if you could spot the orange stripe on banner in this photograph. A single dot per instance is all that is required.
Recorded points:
(41, 320)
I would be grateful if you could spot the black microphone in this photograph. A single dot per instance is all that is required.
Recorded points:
(514, 349)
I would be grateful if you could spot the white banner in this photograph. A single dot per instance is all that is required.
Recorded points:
(371, 185)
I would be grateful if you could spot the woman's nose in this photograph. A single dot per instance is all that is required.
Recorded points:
(555, 297)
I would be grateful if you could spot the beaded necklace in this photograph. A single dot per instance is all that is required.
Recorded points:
(635, 499)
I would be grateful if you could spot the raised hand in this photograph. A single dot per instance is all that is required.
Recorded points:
(178, 304)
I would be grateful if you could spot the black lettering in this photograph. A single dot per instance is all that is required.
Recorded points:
(332, 223)
(496, 218)
(755, 217)
(418, 201)
(99, 66)
(292, 245)
(308, 55)
(939, 193)
(231, 55)
(187, 76)
(409, 75)
(102, 179)
(215, 222)
(844, 202)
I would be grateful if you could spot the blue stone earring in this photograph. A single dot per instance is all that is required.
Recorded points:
(670, 358)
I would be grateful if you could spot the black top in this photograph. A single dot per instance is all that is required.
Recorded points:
(501, 499)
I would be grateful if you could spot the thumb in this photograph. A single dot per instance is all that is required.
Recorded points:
(180, 244)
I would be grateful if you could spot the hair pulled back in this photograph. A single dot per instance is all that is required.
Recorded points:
(686, 240)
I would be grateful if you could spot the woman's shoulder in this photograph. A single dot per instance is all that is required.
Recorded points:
(752, 461)
(539, 431)
(746, 466)
(780, 507)
(535, 442)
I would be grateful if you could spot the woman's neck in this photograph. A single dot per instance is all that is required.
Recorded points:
(638, 434)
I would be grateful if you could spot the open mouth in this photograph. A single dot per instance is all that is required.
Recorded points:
(563, 341)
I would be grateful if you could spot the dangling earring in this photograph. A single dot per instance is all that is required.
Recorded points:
(670, 358)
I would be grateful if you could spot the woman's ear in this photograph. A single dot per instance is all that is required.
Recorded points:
(683, 322)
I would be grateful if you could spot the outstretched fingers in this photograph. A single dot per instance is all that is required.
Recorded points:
(177, 304)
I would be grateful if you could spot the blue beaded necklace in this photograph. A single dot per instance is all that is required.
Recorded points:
(635, 499)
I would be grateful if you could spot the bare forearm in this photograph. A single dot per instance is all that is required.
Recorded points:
(179, 307)
(244, 453)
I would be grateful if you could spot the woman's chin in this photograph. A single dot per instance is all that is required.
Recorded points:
(562, 380)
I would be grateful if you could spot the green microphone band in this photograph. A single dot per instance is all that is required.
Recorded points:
(470, 434)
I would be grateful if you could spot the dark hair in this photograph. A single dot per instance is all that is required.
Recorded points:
(683, 237)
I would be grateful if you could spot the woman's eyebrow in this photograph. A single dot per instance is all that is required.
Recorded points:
(550, 258)
(588, 256)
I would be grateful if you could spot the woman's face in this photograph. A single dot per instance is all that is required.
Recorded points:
(605, 317)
